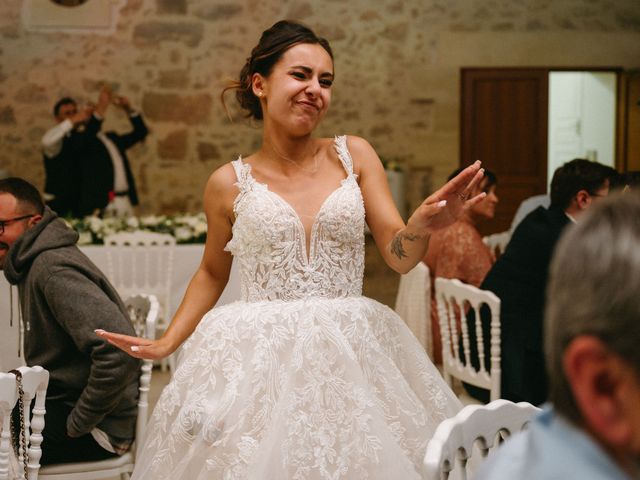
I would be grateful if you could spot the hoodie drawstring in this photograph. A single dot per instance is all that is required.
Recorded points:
(20, 321)
(10, 305)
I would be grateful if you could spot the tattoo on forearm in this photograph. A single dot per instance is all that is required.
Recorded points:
(396, 244)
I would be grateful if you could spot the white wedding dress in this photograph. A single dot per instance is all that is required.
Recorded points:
(304, 378)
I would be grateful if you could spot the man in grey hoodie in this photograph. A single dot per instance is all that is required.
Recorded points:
(93, 386)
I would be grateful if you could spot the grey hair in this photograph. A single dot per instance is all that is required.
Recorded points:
(594, 289)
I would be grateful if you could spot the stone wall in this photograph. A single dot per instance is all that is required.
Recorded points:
(397, 66)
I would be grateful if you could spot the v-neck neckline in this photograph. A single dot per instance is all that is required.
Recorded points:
(309, 250)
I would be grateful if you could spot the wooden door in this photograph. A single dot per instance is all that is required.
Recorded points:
(504, 124)
(629, 120)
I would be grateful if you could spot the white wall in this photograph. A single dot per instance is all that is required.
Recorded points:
(581, 117)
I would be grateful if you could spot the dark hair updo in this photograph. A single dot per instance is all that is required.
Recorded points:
(273, 43)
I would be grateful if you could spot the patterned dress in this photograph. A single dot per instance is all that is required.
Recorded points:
(304, 378)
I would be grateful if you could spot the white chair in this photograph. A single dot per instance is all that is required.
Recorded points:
(34, 385)
(413, 304)
(497, 242)
(143, 311)
(8, 399)
(454, 300)
(480, 426)
(142, 262)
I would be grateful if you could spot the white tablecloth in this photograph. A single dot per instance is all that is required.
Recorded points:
(186, 261)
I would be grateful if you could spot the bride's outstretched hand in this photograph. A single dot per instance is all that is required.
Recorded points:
(446, 205)
(136, 346)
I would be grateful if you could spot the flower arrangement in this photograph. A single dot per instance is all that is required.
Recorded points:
(186, 228)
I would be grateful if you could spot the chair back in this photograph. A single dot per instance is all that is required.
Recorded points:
(455, 300)
(481, 426)
(8, 399)
(34, 386)
(413, 304)
(143, 312)
(497, 242)
(141, 262)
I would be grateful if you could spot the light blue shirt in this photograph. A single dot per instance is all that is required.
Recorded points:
(550, 448)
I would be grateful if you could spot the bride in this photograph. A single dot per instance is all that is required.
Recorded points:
(303, 378)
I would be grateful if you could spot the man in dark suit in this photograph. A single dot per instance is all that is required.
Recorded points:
(87, 170)
(519, 278)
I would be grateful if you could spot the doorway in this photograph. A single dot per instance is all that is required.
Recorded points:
(582, 118)
(516, 120)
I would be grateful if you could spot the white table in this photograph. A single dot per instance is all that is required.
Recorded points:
(186, 261)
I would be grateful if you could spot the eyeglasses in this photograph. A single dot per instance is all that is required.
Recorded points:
(3, 223)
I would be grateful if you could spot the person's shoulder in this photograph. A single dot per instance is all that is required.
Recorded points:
(60, 266)
(358, 145)
(223, 177)
(222, 185)
(537, 219)
(544, 221)
(464, 228)
(56, 258)
(363, 154)
(509, 461)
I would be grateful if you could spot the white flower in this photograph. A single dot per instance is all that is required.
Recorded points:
(85, 238)
(133, 222)
(95, 223)
(182, 233)
(200, 228)
(150, 220)
(186, 228)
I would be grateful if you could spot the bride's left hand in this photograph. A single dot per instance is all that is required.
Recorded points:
(456, 194)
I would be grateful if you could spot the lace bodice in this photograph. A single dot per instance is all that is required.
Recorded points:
(269, 242)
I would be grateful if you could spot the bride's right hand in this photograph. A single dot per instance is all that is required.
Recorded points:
(138, 347)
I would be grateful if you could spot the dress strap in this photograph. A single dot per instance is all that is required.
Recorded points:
(242, 173)
(340, 144)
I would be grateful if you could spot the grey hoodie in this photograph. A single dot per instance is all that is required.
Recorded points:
(64, 297)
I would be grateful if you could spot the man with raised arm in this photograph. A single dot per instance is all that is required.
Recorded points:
(88, 170)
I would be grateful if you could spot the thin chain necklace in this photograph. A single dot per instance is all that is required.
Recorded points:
(297, 164)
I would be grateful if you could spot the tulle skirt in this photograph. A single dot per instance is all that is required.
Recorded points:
(306, 389)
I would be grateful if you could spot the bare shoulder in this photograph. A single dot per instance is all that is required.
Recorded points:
(221, 188)
(363, 154)
(222, 179)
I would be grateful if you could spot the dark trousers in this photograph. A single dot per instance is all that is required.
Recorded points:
(63, 207)
(58, 447)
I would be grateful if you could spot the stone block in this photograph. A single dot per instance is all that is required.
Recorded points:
(174, 145)
(170, 107)
(178, 7)
(32, 94)
(628, 20)
(379, 130)
(154, 32)
(178, 79)
(7, 117)
(223, 11)
(208, 151)
(10, 32)
(300, 10)
(35, 134)
(370, 15)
